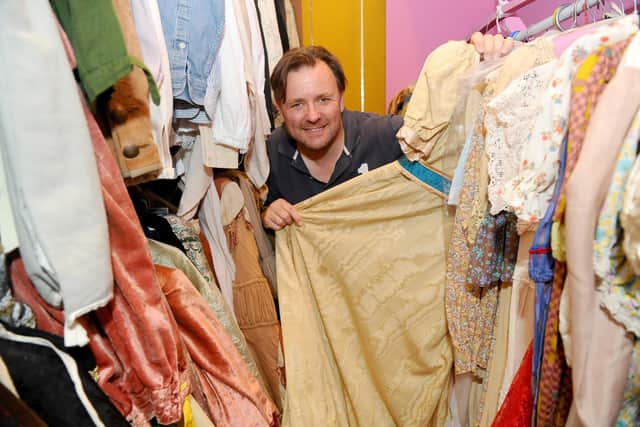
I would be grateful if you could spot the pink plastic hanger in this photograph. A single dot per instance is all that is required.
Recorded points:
(507, 23)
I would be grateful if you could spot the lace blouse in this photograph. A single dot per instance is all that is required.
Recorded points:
(509, 121)
(529, 193)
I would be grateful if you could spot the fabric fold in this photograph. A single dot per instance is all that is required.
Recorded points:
(234, 396)
(362, 304)
(434, 98)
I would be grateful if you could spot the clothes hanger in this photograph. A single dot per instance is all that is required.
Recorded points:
(595, 22)
(508, 23)
(615, 10)
(589, 12)
(500, 14)
(562, 13)
(564, 39)
(612, 11)
(556, 16)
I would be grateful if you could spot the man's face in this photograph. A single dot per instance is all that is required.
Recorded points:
(312, 109)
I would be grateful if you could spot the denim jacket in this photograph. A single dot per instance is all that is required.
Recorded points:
(193, 31)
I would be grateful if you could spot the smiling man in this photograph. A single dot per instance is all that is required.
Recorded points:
(321, 144)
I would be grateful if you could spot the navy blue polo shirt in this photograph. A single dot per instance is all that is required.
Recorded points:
(369, 142)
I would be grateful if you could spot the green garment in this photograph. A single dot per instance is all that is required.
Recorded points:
(99, 46)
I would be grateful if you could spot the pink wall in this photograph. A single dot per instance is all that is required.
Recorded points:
(416, 27)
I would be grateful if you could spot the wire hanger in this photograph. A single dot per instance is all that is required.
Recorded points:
(562, 14)
(556, 15)
(615, 10)
(500, 14)
(590, 12)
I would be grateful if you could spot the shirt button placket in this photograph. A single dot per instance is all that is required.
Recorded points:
(182, 28)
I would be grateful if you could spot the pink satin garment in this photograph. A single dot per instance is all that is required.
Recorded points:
(233, 395)
(143, 356)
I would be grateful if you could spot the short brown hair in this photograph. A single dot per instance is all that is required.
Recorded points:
(303, 57)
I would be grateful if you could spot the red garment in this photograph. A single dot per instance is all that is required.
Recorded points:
(140, 359)
(138, 351)
(48, 318)
(233, 395)
(517, 408)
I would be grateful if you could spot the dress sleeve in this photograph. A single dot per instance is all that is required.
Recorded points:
(433, 100)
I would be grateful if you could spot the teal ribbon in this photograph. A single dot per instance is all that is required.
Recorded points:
(430, 177)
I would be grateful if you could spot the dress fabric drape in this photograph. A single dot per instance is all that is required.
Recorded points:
(14, 411)
(253, 302)
(470, 309)
(518, 403)
(187, 232)
(599, 375)
(630, 414)
(620, 285)
(265, 246)
(521, 314)
(141, 363)
(490, 400)
(171, 257)
(47, 317)
(362, 304)
(234, 396)
(146, 14)
(541, 271)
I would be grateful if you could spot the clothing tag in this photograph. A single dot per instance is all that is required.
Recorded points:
(216, 155)
(364, 168)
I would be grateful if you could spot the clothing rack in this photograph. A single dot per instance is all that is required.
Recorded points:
(566, 12)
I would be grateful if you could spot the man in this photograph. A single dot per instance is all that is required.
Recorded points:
(321, 144)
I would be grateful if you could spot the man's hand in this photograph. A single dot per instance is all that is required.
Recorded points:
(279, 214)
(490, 46)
